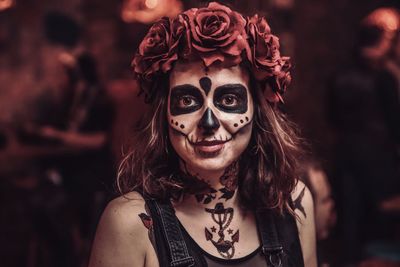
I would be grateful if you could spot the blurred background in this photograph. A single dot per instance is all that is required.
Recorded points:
(68, 103)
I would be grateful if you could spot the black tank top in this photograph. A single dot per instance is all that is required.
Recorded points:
(254, 259)
(283, 234)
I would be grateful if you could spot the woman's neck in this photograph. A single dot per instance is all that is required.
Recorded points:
(213, 214)
(205, 189)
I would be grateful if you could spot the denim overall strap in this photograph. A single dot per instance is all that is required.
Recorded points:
(271, 246)
(178, 250)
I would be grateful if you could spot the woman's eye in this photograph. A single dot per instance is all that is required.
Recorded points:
(229, 100)
(187, 101)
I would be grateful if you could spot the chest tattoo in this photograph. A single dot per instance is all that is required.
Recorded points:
(222, 217)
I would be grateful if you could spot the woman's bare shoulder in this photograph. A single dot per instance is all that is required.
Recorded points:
(304, 208)
(130, 202)
(122, 213)
(121, 237)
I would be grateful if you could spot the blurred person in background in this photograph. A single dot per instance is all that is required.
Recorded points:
(392, 98)
(86, 120)
(364, 112)
(77, 124)
(213, 174)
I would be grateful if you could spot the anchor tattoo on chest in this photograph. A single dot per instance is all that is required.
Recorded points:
(222, 217)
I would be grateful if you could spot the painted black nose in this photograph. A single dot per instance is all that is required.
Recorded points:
(209, 122)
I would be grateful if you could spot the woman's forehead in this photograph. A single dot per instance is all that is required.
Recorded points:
(193, 72)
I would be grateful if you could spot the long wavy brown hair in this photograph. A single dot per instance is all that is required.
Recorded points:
(268, 168)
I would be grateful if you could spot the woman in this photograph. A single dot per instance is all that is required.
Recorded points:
(212, 175)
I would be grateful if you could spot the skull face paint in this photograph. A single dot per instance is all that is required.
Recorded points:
(210, 115)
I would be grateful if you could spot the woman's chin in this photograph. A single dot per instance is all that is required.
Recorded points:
(210, 164)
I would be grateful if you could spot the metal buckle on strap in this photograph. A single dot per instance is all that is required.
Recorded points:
(186, 262)
(274, 255)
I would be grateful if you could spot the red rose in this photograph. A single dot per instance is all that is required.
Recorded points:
(268, 65)
(283, 77)
(216, 33)
(278, 83)
(213, 34)
(264, 45)
(156, 52)
(181, 27)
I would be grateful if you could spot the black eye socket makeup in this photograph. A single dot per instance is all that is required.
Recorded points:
(231, 98)
(185, 99)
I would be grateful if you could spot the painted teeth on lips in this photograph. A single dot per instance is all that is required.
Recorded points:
(210, 143)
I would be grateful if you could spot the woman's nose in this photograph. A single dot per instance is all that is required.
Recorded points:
(209, 122)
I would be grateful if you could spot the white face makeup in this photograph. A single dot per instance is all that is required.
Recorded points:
(209, 114)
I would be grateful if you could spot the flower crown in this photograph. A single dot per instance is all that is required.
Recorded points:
(213, 34)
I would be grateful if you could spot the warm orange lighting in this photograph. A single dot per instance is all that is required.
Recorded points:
(149, 11)
(283, 4)
(385, 18)
(6, 4)
(151, 3)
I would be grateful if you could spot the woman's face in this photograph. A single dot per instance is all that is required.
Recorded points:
(210, 114)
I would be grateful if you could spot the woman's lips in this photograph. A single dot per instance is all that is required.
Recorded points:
(209, 143)
(209, 146)
(210, 149)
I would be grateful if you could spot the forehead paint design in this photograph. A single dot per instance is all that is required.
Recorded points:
(205, 84)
